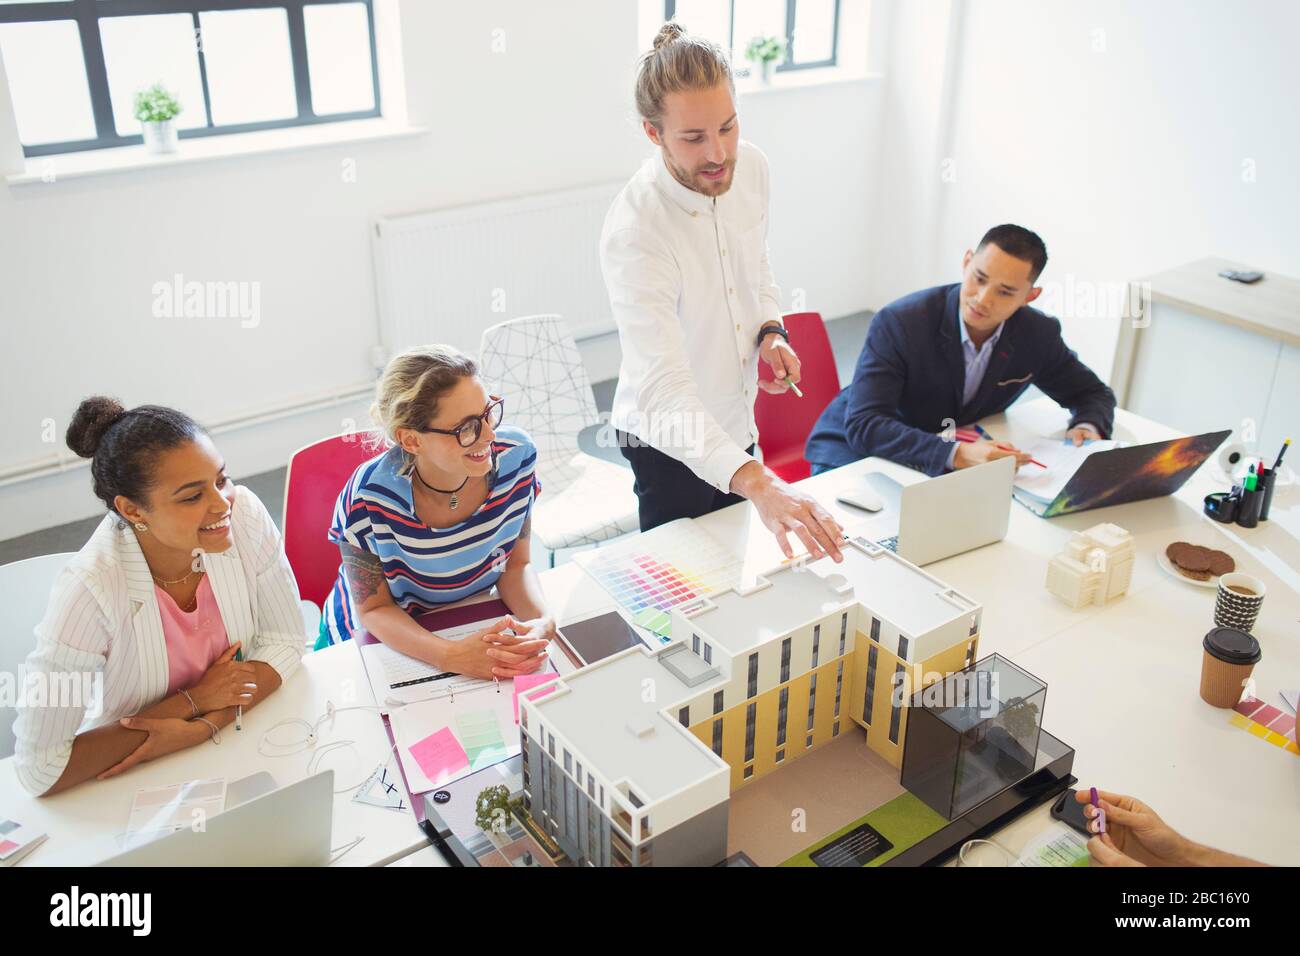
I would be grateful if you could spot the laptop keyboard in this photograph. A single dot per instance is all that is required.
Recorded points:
(889, 544)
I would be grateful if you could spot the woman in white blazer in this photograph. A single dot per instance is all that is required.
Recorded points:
(181, 606)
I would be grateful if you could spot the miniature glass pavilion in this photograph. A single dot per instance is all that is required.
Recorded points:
(973, 734)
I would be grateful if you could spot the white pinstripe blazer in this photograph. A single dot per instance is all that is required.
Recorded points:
(103, 616)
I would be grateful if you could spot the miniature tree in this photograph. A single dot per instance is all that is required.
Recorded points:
(1020, 719)
(492, 812)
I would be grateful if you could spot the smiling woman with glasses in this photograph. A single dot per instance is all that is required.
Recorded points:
(444, 513)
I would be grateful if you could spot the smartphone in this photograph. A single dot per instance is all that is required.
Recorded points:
(1069, 810)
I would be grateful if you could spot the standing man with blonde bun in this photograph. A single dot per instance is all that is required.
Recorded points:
(684, 254)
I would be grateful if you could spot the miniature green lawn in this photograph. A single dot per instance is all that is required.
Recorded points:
(902, 821)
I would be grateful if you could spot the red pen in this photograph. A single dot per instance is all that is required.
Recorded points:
(1032, 461)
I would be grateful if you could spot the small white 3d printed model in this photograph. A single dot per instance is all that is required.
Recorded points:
(1096, 566)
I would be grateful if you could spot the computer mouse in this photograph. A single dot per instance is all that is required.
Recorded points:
(863, 499)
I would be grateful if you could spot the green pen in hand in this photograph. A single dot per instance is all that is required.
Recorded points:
(790, 381)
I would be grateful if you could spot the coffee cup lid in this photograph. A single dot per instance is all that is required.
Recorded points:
(1232, 646)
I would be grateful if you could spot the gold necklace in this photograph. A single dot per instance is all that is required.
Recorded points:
(171, 583)
(193, 602)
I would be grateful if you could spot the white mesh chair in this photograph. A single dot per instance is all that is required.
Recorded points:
(25, 593)
(534, 364)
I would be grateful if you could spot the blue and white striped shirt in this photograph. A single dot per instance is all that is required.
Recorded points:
(427, 567)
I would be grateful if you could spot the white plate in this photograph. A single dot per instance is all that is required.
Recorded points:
(1167, 566)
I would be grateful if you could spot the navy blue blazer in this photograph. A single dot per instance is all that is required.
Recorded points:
(908, 383)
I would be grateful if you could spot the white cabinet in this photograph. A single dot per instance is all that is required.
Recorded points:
(1205, 353)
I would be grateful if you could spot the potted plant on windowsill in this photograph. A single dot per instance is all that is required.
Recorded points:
(765, 53)
(157, 109)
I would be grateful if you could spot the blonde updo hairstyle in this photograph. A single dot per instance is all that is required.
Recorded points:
(410, 389)
(678, 62)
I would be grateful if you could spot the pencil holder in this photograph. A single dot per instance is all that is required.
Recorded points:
(1248, 509)
(1266, 490)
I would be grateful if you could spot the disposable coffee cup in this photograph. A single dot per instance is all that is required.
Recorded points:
(1239, 600)
(1226, 664)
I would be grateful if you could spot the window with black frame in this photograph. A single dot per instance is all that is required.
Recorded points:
(810, 28)
(74, 67)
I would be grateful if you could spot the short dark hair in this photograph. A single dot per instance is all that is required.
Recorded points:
(124, 446)
(1019, 242)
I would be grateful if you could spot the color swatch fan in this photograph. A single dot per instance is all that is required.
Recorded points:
(671, 565)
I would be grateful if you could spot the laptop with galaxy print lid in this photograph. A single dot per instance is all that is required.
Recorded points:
(1119, 475)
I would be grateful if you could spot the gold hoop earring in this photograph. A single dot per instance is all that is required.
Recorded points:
(140, 526)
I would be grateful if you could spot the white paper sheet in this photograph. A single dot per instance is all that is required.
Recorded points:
(1062, 459)
(414, 722)
(381, 661)
(1059, 845)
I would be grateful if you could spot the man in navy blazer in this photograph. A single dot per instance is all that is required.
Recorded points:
(952, 355)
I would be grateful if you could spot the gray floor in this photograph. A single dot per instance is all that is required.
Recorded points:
(846, 337)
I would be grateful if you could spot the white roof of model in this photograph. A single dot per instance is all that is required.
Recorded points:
(608, 720)
(895, 590)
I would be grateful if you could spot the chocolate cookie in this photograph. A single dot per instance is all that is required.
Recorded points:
(1195, 575)
(1192, 557)
(1221, 563)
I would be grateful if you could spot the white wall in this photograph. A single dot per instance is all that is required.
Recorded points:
(79, 257)
(1117, 130)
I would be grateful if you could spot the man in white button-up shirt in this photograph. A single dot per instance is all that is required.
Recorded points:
(684, 254)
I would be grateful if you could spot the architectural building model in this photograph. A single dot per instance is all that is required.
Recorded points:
(1096, 566)
(632, 760)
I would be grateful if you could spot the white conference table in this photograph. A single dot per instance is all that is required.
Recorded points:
(1122, 679)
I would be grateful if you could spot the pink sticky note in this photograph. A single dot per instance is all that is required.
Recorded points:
(526, 682)
(440, 755)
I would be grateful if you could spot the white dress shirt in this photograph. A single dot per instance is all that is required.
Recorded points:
(690, 285)
(103, 619)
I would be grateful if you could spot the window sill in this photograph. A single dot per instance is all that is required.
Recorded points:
(50, 169)
(803, 80)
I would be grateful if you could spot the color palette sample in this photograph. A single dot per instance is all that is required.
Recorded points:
(1266, 722)
(655, 621)
(479, 732)
(671, 565)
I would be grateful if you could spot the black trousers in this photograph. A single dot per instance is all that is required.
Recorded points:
(666, 489)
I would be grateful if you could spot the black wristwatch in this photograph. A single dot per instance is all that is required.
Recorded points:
(767, 330)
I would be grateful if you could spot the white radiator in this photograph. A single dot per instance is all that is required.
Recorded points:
(445, 276)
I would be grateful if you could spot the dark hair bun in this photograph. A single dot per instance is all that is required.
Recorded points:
(93, 417)
(669, 32)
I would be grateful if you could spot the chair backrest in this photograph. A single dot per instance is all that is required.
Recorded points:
(25, 593)
(312, 483)
(534, 364)
(785, 421)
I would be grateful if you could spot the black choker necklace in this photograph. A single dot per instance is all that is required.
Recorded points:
(455, 492)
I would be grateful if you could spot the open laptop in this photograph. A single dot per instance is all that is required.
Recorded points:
(1130, 473)
(937, 518)
(289, 826)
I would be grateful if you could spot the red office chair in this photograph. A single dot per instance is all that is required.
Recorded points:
(785, 421)
(315, 476)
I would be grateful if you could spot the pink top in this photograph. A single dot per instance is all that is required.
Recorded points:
(194, 640)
